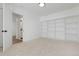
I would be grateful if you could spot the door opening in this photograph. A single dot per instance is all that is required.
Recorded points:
(17, 36)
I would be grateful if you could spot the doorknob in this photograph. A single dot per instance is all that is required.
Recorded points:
(4, 30)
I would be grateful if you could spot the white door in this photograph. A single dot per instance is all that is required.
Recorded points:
(1, 27)
(7, 25)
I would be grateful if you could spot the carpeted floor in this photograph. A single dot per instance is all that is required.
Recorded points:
(1, 51)
(44, 47)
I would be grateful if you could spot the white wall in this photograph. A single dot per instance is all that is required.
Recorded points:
(14, 24)
(31, 27)
(63, 25)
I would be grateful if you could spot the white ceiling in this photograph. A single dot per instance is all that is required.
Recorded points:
(48, 9)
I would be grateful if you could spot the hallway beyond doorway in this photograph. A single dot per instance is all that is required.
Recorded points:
(14, 40)
(17, 35)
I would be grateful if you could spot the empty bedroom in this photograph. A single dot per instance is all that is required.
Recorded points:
(48, 29)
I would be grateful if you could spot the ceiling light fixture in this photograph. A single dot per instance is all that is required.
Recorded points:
(41, 4)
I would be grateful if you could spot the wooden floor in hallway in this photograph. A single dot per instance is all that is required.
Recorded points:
(14, 41)
(44, 47)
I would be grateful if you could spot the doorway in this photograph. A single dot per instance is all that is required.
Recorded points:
(17, 34)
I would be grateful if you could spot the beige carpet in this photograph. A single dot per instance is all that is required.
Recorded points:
(1, 51)
(44, 47)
